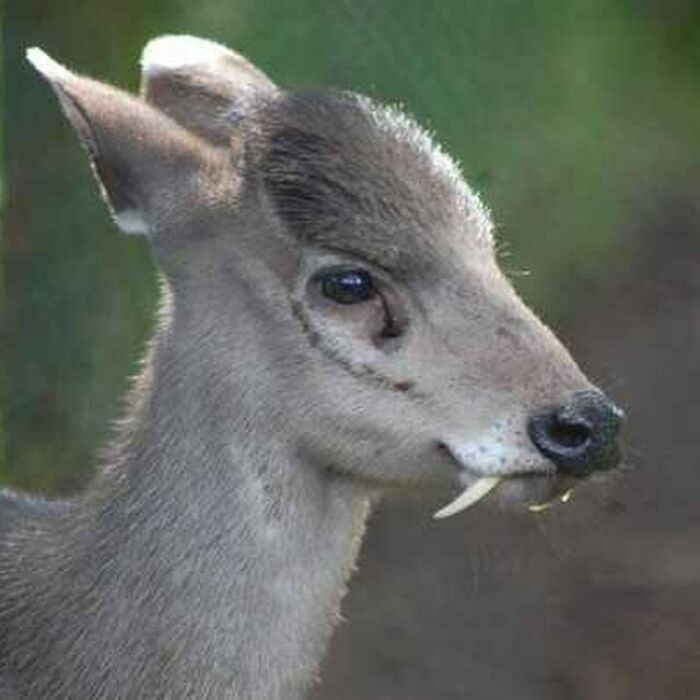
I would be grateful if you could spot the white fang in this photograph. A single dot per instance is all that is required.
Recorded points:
(471, 495)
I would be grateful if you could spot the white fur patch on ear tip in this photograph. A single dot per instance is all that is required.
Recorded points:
(50, 69)
(131, 221)
(177, 51)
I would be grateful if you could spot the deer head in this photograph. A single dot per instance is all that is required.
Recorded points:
(333, 277)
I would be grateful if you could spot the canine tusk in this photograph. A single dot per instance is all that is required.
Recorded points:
(469, 496)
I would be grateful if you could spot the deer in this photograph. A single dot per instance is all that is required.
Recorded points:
(333, 325)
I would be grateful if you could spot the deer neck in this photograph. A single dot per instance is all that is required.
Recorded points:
(206, 561)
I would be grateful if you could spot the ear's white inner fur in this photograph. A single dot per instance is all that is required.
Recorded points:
(167, 53)
(471, 495)
(131, 221)
(46, 65)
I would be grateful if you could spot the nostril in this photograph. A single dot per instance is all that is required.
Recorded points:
(581, 436)
(570, 435)
(559, 436)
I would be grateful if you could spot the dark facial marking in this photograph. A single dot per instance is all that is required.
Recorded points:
(359, 370)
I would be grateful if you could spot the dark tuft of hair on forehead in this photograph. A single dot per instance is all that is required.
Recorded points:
(345, 173)
(307, 170)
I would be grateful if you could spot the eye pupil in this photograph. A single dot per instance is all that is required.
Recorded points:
(348, 286)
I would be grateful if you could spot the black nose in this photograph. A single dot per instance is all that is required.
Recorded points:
(579, 437)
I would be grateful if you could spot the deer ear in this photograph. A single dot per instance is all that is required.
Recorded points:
(202, 85)
(136, 153)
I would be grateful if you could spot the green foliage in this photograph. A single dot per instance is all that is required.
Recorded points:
(567, 115)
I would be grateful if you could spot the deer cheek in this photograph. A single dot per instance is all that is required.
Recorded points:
(363, 322)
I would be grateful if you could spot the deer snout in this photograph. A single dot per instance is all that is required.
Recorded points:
(580, 437)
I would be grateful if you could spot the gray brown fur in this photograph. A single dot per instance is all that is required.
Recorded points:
(209, 557)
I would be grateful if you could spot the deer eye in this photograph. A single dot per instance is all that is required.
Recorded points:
(348, 285)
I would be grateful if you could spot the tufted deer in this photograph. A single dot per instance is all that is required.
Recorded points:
(333, 324)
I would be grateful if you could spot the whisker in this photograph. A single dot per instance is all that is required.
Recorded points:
(511, 272)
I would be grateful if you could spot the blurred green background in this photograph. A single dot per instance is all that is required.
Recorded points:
(578, 121)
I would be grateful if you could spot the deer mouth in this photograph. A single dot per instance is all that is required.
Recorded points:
(535, 492)
(532, 487)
